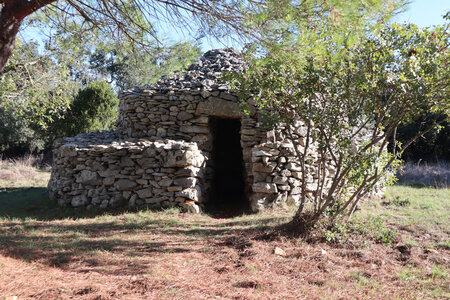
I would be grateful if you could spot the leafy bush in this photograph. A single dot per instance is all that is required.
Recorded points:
(94, 108)
(342, 104)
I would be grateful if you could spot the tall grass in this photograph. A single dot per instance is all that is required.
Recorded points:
(22, 171)
(425, 174)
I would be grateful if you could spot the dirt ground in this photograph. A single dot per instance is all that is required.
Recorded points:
(47, 252)
(180, 256)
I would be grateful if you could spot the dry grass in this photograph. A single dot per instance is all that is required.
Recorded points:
(426, 174)
(22, 171)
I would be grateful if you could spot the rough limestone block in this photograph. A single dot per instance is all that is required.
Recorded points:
(281, 197)
(191, 207)
(258, 167)
(88, 177)
(293, 167)
(189, 172)
(188, 158)
(68, 150)
(79, 201)
(284, 187)
(165, 182)
(218, 107)
(125, 185)
(126, 162)
(174, 188)
(296, 190)
(311, 187)
(109, 180)
(194, 129)
(261, 153)
(263, 187)
(280, 180)
(184, 116)
(145, 193)
(186, 182)
(259, 201)
(190, 193)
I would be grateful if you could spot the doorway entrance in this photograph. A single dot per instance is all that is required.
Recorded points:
(227, 197)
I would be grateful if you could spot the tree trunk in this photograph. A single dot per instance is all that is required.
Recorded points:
(9, 27)
(11, 17)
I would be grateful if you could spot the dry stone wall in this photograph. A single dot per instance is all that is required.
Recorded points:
(97, 169)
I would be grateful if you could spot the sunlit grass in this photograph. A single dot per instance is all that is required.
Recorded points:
(418, 210)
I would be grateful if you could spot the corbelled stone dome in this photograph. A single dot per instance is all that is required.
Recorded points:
(204, 74)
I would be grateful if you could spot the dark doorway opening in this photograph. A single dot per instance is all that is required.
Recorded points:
(227, 198)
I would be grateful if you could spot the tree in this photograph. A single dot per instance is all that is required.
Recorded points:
(348, 92)
(34, 91)
(126, 69)
(94, 108)
(37, 89)
(133, 19)
(30, 86)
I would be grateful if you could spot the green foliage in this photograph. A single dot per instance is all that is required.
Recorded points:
(346, 91)
(126, 68)
(34, 91)
(28, 83)
(94, 108)
(124, 60)
(17, 135)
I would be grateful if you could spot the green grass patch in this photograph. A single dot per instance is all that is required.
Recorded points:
(359, 232)
(418, 210)
(32, 203)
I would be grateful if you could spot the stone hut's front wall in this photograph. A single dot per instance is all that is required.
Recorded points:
(96, 170)
(185, 115)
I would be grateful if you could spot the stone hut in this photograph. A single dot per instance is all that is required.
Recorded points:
(181, 142)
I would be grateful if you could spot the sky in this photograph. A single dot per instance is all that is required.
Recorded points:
(425, 12)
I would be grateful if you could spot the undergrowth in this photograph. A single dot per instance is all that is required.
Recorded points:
(358, 232)
(425, 174)
(28, 170)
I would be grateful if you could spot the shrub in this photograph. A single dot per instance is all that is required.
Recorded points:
(342, 105)
(94, 108)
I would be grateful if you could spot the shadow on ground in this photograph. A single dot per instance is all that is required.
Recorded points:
(33, 203)
(33, 228)
(120, 247)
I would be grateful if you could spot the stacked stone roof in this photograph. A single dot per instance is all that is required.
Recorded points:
(204, 74)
